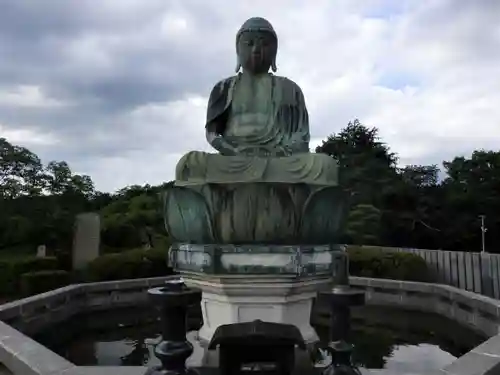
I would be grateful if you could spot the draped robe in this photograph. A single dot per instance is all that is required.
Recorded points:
(269, 112)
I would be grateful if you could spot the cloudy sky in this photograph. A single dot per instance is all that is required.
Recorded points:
(118, 88)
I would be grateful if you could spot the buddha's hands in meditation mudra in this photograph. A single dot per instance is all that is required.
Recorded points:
(227, 149)
(263, 151)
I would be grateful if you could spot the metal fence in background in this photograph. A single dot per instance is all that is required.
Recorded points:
(475, 272)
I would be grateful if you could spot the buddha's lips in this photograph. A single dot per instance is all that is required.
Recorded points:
(256, 58)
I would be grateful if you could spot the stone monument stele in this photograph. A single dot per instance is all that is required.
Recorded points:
(255, 225)
(86, 239)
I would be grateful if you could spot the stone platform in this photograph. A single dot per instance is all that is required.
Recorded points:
(241, 283)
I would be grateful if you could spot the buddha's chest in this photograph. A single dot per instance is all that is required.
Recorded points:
(253, 97)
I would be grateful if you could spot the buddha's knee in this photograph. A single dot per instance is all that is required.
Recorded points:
(191, 165)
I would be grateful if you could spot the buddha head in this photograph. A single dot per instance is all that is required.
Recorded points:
(256, 46)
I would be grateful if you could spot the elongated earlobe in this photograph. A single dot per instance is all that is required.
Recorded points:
(273, 66)
(238, 67)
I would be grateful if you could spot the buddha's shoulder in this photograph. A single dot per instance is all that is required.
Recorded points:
(286, 82)
(224, 82)
(221, 90)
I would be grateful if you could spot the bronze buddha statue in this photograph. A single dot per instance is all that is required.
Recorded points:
(258, 122)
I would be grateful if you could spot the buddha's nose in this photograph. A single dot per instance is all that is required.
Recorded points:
(256, 50)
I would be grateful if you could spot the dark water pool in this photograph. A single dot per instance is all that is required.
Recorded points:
(387, 341)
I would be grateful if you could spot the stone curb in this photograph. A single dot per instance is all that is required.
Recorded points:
(473, 310)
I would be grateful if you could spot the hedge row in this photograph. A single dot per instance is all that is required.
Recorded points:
(36, 275)
(376, 263)
(11, 271)
(130, 264)
(32, 275)
(363, 262)
(43, 281)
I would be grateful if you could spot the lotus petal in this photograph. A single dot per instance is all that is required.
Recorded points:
(323, 216)
(187, 218)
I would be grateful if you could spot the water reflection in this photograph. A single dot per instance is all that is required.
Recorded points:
(140, 353)
(397, 342)
(424, 357)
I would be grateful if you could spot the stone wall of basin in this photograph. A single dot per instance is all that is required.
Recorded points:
(22, 355)
(33, 314)
(473, 310)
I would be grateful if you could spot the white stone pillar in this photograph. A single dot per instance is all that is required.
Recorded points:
(86, 239)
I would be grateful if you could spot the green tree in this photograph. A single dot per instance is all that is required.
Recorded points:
(420, 176)
(363, 225)
(21, 171)
(366, 166)
(37, 204)
(472, 188)
(60, 180)
(134, 218)
(414, 208)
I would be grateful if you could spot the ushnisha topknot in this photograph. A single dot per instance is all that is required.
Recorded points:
(256, 24)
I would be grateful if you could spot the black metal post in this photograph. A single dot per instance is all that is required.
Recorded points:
(340, 324)
(341, 299)
(173, 300)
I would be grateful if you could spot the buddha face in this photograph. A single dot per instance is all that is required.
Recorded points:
(256, 51)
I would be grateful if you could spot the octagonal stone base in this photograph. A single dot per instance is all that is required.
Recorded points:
(242, 283)
(244, 298)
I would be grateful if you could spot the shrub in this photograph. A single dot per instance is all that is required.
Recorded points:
(32, 264)
(11, 271)
(386, 265)
(130, 264)
(64, 259)
(43, 281)
(6, 282)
